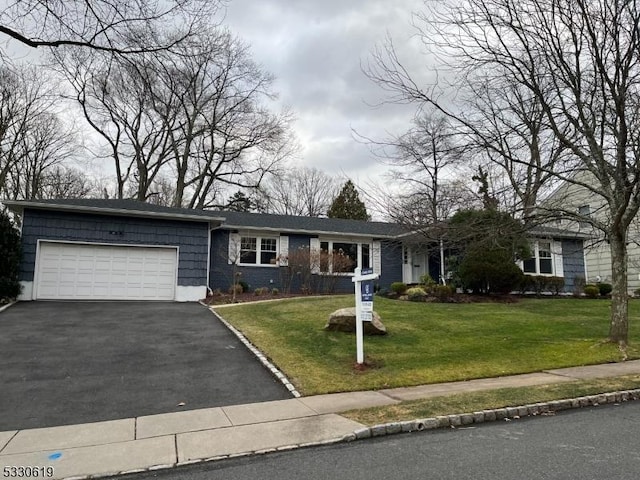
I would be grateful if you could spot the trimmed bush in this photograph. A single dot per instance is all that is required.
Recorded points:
(275, 291)
(443, 292)
(237, 287)
(244, 285)
(490, 272)
(416, 294)
(261, 291)
(591, 291)
(605, 289)
(427, 280)
(399, 287)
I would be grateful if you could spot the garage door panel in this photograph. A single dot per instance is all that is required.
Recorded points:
(78, 271)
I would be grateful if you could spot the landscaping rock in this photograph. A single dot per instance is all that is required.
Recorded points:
(344, 320)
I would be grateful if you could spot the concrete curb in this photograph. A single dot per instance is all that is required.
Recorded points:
(418, 425)
(261, 356)
(507, 414)
(4, 307)
(153, 468)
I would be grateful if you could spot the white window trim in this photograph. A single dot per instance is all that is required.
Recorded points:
(259, 239)
(536, 254)
(359, 242)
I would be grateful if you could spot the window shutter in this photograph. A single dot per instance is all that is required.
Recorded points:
(377, 257)
(314, 255)
(234, 248)
(283, 257)
(556, 250)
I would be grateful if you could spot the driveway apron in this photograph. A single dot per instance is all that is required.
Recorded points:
(75, 362)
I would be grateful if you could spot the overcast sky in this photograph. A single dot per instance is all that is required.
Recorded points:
(315, 50)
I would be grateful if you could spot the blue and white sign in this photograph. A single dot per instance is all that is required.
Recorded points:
(363, 280)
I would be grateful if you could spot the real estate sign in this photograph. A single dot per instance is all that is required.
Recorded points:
(363, 280)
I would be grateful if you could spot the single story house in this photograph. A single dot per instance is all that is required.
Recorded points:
(87, 249)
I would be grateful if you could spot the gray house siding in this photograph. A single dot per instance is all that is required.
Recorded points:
(190, 237)
(391, 263)
(221, 276)
(220, 271)
(572, 262)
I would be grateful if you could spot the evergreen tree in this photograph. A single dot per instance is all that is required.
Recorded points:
(348, 204)
(488, 242)
(10, 254)
(239, 202)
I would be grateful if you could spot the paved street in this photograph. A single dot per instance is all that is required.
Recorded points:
(77, 362)
(591, 443)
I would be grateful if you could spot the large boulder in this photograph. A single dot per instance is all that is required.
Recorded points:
(344, 320)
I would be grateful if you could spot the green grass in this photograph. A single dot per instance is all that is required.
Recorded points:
(490, 399)
(430, 342)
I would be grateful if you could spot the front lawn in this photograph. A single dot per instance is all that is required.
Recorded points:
(430, 342)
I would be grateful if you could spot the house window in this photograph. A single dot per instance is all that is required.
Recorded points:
(544, 258)
(584, 211)
(366, 256)
(344, 257)
(541, 263)
(258, 250)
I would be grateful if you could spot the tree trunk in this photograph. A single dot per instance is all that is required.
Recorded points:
(619, 326)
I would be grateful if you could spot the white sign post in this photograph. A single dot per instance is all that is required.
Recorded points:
(363, 280)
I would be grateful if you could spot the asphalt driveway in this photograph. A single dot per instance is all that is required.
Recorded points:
(75, 362)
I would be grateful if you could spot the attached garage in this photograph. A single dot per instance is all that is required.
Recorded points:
(73, 271)
(95, 249)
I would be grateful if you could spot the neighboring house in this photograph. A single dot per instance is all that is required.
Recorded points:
(127, 250)
(580, 206)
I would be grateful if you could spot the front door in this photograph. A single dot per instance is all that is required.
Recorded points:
(415, 264)
(419, 265)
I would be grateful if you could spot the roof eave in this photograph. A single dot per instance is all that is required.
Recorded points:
(227, 226)
(20, 205)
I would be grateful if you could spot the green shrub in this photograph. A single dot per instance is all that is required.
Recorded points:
(605, 289)
(275, 291)
(427, 280)
(416, 294)
(399, 287)
(526, 284)
(10, 255)
(260, 291)
(490, 272)
(244, 285)
(443, 292)
(591, 291)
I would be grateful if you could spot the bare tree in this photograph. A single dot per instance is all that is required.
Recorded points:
(115, 26)
(33, 139)
(299, 191)
(579, 61)
(425, 166)
(65, 182)
(197, 117)
(506, 127)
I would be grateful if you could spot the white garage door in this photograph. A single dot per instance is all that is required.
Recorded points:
(100, 272)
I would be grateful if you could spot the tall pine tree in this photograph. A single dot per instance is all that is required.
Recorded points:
(348, 204)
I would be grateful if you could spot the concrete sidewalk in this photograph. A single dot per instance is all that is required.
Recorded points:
(167, 440)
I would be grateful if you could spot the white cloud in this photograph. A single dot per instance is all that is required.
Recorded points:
(315, 49)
